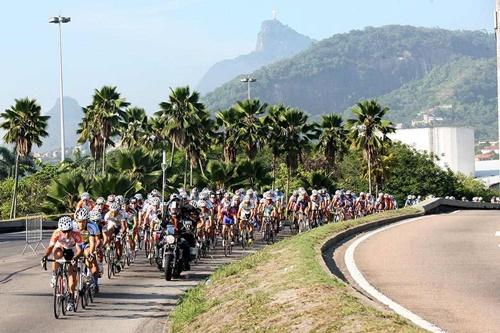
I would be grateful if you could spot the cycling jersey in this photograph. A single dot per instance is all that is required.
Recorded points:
(65, 241)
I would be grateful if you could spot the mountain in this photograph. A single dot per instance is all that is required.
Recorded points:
(462, 93)
(275, 41)
(335, 73)
(72, 116)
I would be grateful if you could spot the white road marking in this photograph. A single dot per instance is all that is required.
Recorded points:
(497, 233)
(363, 283)
(454, 212)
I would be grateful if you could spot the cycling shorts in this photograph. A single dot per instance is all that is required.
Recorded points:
(83, 246)
(68, 254)
(227, 220)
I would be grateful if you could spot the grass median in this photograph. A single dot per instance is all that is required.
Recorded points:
(284, 288)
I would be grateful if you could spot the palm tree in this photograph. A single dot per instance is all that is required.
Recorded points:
(250, 127)
(273, 137)
(64, 191)
(25, 126)
(368, 131)
(333, 139)
(296, 134)
(199, 133)
(181, 107)
(108, 107)
(89, 131)
(133, 127)
(228, 136)
(136, 164)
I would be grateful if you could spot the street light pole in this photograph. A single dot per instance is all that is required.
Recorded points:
(59, 20)
(497, 34)
(164, 170)
(249, 80)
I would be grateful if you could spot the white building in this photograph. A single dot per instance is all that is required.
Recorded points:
(454, 146)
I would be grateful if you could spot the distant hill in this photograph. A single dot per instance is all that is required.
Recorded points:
(72, 116)
(462, 92)
(275, 41)
(335, 73)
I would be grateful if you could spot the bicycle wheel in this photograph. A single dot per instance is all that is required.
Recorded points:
(244, 239)
(82, 297)
(225, 245)
(147, 243)
(58, 294)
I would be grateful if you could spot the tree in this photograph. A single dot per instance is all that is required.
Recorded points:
(228, 135)
(333, 140)
(176, 114)
(250, 126)
(25, 126)
(88, 131)
(107, 106)
(133, 127)
(368, 131)
(273, 136)
(137, 165)
(297, 134)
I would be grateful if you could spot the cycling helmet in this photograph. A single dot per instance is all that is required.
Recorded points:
(155, 192)
(174, 196)
(111, 198)
(133, 201)
(249, 192)
(85, 196)
(155, 201)
(100, 201)
(82, 214)
(202, 204)
(138, 196)
(246, 198)
(120, 199)
(114, 206)
(65, 223)
(294, 193)
(268, 196)
(94, 216)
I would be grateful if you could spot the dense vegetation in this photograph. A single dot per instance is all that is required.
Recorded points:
(250, 144)
(429, 67)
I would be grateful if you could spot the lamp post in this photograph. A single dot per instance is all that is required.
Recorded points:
(59, 20)
(497, 33)
(249, 80)
(164, 170)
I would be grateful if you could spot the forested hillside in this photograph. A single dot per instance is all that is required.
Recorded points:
(337, 72)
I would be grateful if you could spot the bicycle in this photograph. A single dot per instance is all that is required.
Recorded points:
(62, 293)
(302, 222)
(268, 232)
(245, 236)
(110, 255)
(85, 286)
(227, 240)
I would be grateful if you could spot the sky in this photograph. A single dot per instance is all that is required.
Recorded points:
(144, 47)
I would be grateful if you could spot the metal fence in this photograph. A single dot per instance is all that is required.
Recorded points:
(33, 232)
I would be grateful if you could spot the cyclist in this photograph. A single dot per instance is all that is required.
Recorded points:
(246, 213)
(315, 209)
(229, 216)
(89, 232)
(96, 218)
(115, 226)
(85, 202)
(132, 223)
(62, 244)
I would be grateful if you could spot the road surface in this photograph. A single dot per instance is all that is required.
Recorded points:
(138, 299)
(444, 268)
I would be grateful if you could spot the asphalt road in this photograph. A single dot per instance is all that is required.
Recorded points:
(138, 299)
(444, 268)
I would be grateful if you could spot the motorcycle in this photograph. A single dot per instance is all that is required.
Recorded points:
(171, 263)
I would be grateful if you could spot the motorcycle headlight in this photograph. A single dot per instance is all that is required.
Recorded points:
(170, 239)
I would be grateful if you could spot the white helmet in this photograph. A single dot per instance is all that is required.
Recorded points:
(65, 223)
(100, 201)
(155, 201)
(85, 196)
(82, 214)
(138, 196)
(120, 199)
(94, 216)
(114, 206)
(202, 204)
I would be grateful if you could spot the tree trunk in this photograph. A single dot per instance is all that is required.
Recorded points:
(95, 167)
(274, 173)
(201, 168)
(172, 151)
(190, 174)
(369, 172)
(287, 182)
(13, 206)
(185, 169)
(104, 157)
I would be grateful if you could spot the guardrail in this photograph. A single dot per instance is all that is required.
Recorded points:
(48, 222)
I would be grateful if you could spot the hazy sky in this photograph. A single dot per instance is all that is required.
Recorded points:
(146, 46)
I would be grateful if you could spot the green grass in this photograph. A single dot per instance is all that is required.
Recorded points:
(281, 288)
